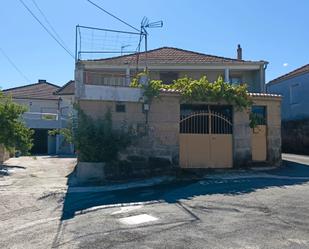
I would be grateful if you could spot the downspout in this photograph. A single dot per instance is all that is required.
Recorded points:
(263, 77)
(264, 68)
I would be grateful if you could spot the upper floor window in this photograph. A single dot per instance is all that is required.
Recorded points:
(105, 79)
(168, 77)
(235, 80)
(294, 94)
(120, 107)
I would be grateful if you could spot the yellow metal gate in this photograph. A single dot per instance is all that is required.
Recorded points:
(205, 140)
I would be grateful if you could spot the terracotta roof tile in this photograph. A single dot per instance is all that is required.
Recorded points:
(265, 95)
(296, 72)
(39, 90)
(67, 89)
(169, 55)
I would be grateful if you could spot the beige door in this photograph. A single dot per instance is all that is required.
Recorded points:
(194, 150)
(205, 141)
(259, 147)
(221, 150)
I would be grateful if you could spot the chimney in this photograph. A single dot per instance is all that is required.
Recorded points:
(239, 52)
(41, 81)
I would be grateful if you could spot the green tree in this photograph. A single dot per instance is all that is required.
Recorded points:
(13, 132)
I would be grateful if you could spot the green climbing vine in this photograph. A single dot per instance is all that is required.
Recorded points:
(152, 88)
(205, 91)
(198, 90)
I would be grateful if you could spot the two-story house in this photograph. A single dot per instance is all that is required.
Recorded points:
(45, 111)
(104, 84)
(294, 87)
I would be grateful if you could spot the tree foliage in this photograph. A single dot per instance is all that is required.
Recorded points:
(13, 132)
(65, 132)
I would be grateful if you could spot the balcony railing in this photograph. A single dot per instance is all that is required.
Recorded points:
(44, 120)
(40, 116)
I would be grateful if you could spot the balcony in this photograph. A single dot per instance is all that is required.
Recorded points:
(39, 120)
(108, 87)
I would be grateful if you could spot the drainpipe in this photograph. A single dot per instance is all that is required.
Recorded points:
(262, 76)
(127, 75)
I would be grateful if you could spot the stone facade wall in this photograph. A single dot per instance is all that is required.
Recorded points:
(241, 139)
(242, 133)
(273, 111)
(159, 137)
(156, 138)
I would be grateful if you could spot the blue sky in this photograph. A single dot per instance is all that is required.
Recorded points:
(273, 30)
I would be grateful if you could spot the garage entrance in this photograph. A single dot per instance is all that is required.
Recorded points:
(40, 142)
(205, 138)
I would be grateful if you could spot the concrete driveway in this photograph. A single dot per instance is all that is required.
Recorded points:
(228, 209)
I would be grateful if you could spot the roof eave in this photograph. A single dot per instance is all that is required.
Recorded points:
(279, 80)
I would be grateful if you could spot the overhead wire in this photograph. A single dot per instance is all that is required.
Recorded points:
(112, 15)
(46, 29)
(14, 65)
(48, 23)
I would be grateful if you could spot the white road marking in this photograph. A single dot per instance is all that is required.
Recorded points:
(298, 241)
(137, 219)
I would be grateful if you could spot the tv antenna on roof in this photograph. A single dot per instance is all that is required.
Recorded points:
(145, 24)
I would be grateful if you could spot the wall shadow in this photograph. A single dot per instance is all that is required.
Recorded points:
(290, 174)
(5, 170)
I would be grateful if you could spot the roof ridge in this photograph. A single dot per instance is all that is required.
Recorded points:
(37, 83)
(289, 73)
(62, 87)
(199, 53)
(174, 48)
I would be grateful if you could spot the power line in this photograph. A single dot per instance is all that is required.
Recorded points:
(112, 15)
(49, 24)
(14, 65)
(46, 29)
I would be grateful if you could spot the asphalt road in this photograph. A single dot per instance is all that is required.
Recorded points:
(230, 209)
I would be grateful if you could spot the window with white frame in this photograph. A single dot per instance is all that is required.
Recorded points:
(105, 79)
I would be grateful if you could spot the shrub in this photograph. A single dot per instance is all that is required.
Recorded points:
(96, 140)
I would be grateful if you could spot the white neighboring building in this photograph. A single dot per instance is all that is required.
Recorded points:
(66, 93)
(45, 111)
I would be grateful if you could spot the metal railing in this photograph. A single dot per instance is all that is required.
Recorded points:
(205, 123)
(41, 116)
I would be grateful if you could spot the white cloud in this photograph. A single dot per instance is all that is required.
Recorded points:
(285, 64)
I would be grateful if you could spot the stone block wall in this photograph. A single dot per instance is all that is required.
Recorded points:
(273, 110)
(241, 139)
(242, 143)
(158, 131)
(156, 138)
